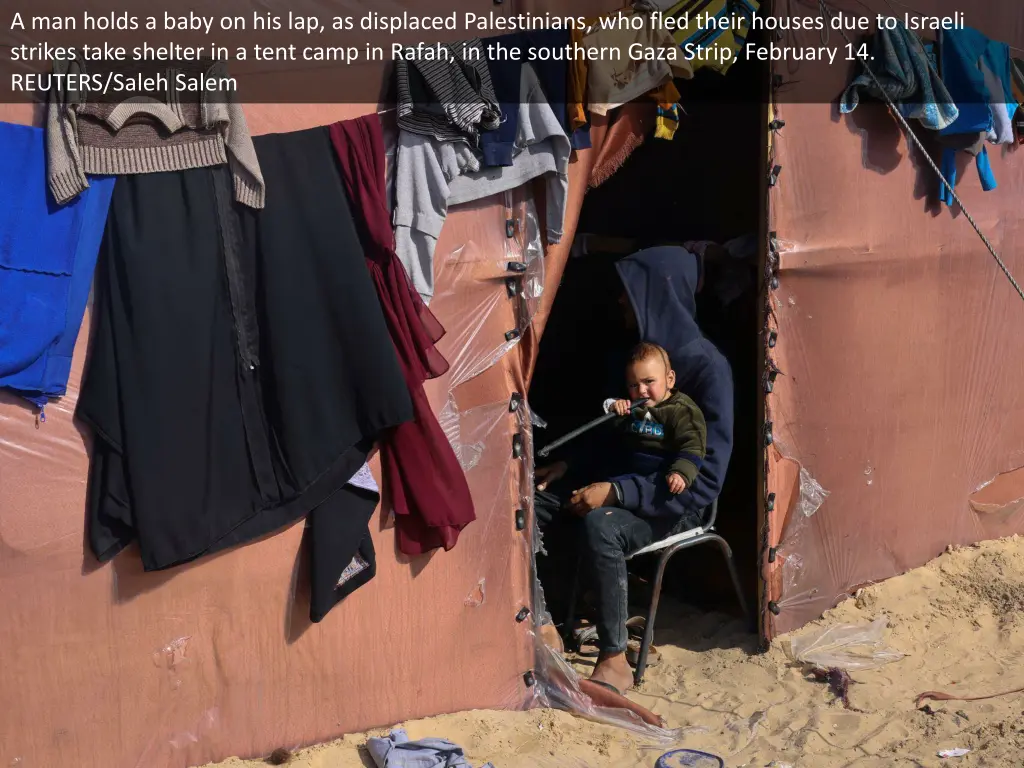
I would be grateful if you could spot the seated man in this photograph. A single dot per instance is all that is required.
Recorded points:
(659, 305)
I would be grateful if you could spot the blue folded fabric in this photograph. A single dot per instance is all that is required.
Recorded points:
(901, 64)
(47, 256)
(396, 751)
(580, 138)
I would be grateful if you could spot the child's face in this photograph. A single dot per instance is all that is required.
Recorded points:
(650, 379)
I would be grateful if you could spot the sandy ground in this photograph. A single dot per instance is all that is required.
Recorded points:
(959, 620)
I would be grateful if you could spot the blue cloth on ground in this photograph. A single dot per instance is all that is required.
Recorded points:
(965, 55)
(396, 751)
(47, 256)
(907, 76)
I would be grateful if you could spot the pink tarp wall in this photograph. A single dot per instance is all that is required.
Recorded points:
(108, 666)
(899, 344)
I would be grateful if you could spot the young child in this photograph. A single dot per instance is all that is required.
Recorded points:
(665, 433)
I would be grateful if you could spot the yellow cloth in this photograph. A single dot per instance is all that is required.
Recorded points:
(712, 41)
(667, 122)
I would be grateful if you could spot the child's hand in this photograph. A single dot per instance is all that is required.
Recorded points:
(676, 482)
(621, 407)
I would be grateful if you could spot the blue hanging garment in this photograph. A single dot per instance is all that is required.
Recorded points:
(976, 72)
(47, 256)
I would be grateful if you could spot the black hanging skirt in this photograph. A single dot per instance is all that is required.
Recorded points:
(240, 368)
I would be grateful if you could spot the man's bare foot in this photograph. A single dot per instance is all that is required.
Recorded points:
(613, 668)
(549, 635)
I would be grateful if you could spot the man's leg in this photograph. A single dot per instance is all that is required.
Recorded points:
(610, 534)
(546, 506)
(558, 533)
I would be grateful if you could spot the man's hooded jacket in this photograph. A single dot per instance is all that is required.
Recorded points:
(661, 284)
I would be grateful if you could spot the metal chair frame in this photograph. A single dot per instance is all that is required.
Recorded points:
(666, 548)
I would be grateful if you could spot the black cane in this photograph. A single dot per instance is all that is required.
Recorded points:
(543, 452)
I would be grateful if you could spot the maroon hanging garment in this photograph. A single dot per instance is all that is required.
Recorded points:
(422, 477)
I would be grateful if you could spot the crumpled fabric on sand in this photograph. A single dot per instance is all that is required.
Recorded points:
(396, 751)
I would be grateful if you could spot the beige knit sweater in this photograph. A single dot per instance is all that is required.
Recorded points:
(142, 134)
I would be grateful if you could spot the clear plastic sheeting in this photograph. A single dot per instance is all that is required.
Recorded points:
(482, 286)
(792, 565)
(850, 647)
(805, 497)
(477, 595)
(470, 431)
(1001, 498)
(812, 495)
(178, 737)
(1012, 508)
(558, 687)
(745, 731)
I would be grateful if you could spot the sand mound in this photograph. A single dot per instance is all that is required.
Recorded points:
(992, 578)
(956, 619)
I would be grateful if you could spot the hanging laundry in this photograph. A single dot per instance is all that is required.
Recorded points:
(145, 135)
(902, 66)
(579, 90)
(396, 751)
(448, 100)
(431, 175)
(47, 257)
(667, 122)
(1001, 102)
(669, 110)
(627, 128)
(426, 485)
(1017, 72)
(499, 146)
(341, 554)
(716, 45)
(576, 92)
(611, 83)
(241, 367)
(976, 72)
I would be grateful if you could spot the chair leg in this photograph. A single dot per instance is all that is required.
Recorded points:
(727, 553)
(645, 644)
